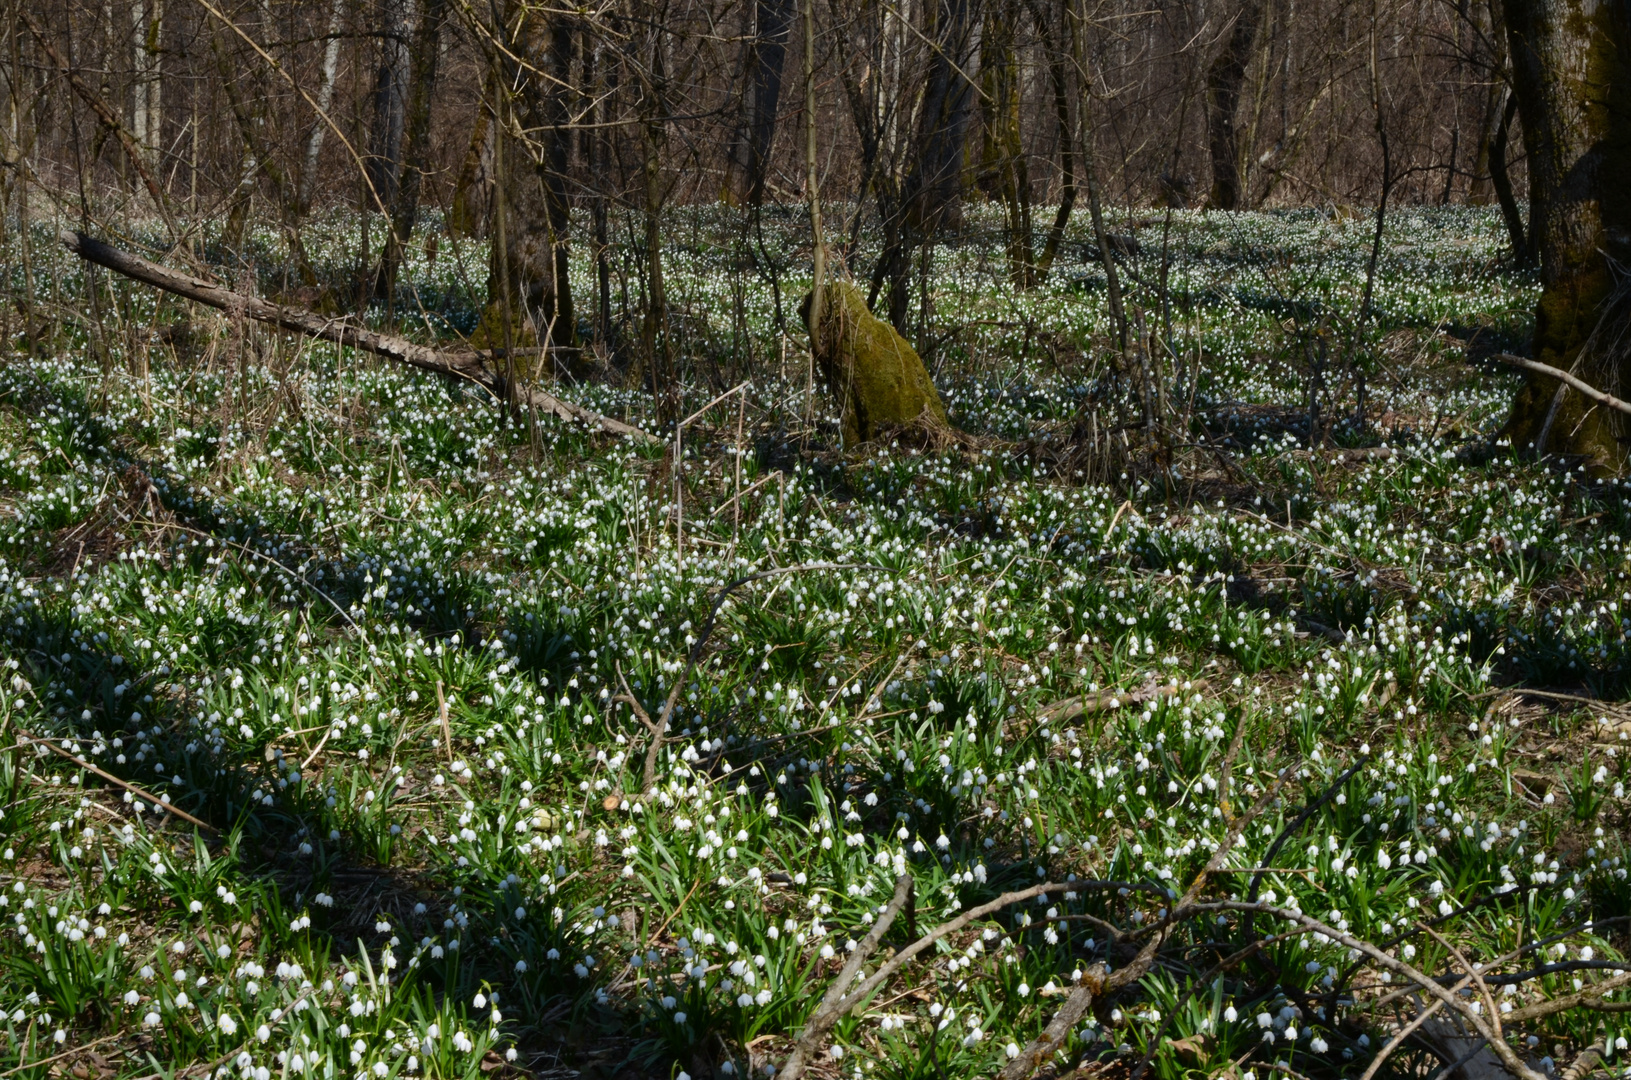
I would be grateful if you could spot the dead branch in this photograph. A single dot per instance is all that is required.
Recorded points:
(833, 1002)
(1068, 709)
(403, 351)
(1572, 380)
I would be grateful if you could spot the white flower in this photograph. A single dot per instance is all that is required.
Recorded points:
(226, 1023)
(1012, 1050)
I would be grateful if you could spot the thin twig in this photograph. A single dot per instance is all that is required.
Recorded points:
(25, 737)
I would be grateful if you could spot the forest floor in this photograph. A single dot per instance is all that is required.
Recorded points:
(330, 694)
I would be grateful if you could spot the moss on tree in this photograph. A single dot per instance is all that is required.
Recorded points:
(880, 381)
(1572, 74)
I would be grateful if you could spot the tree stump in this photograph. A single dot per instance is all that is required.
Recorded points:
(880, 381)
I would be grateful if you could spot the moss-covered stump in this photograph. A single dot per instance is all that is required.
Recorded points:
(880, 380)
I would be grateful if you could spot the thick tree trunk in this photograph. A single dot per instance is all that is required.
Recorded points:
(529, 271)
(1003, 173)
(390, 101)
(471, 214)
(1224, 80)
(1571, 67)
(748, 165)
(934, 187)
(427, 49)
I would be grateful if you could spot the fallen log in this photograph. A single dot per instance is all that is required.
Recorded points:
(459, 365)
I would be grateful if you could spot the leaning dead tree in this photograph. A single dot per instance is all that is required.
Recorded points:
(470, 367)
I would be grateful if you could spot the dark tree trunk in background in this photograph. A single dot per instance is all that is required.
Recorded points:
(931, 197)
(1523, 250)
(529, 272)
(934, 187)
(427, 50)
(390, 102)
(1003, 173)
(1057, 79)
(1224, 80)
(749, 162)
(1571, 71)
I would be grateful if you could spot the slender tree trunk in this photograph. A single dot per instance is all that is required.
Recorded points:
(147, 77)
(655, 347)
(812, 183)
(1571, 68)
(1224, 80)
(325, 100)
(1057, 79)
(748, 164)
(594, 157)
(1482, 187)
(1522, 248)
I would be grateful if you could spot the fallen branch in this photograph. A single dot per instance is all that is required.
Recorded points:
(833, 1002)
(1068, 709)
(1042, 1048)
(1575, 381)
(158, 804)
(459, 365)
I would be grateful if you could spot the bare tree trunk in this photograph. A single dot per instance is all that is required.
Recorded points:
(147, 77)
(748, 164)
(1067, 139)
(529, 290)
(427, 49)
(390, 100)
(1523, 253)
(654, 343)
(325, 99)
(934, 187)
(1571, 72)
(1224, 80)
(812, 183)
(1003, 172)
(473, 197)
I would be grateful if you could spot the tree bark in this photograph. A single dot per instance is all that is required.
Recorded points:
(1224, 80)
(1571, 68)
(934, 187)
(748, 164)
(427, 49)
(325, 98)
(1067, 154)
(390, 101)
(1003, 172)
(1522, 251)
(529, 276)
